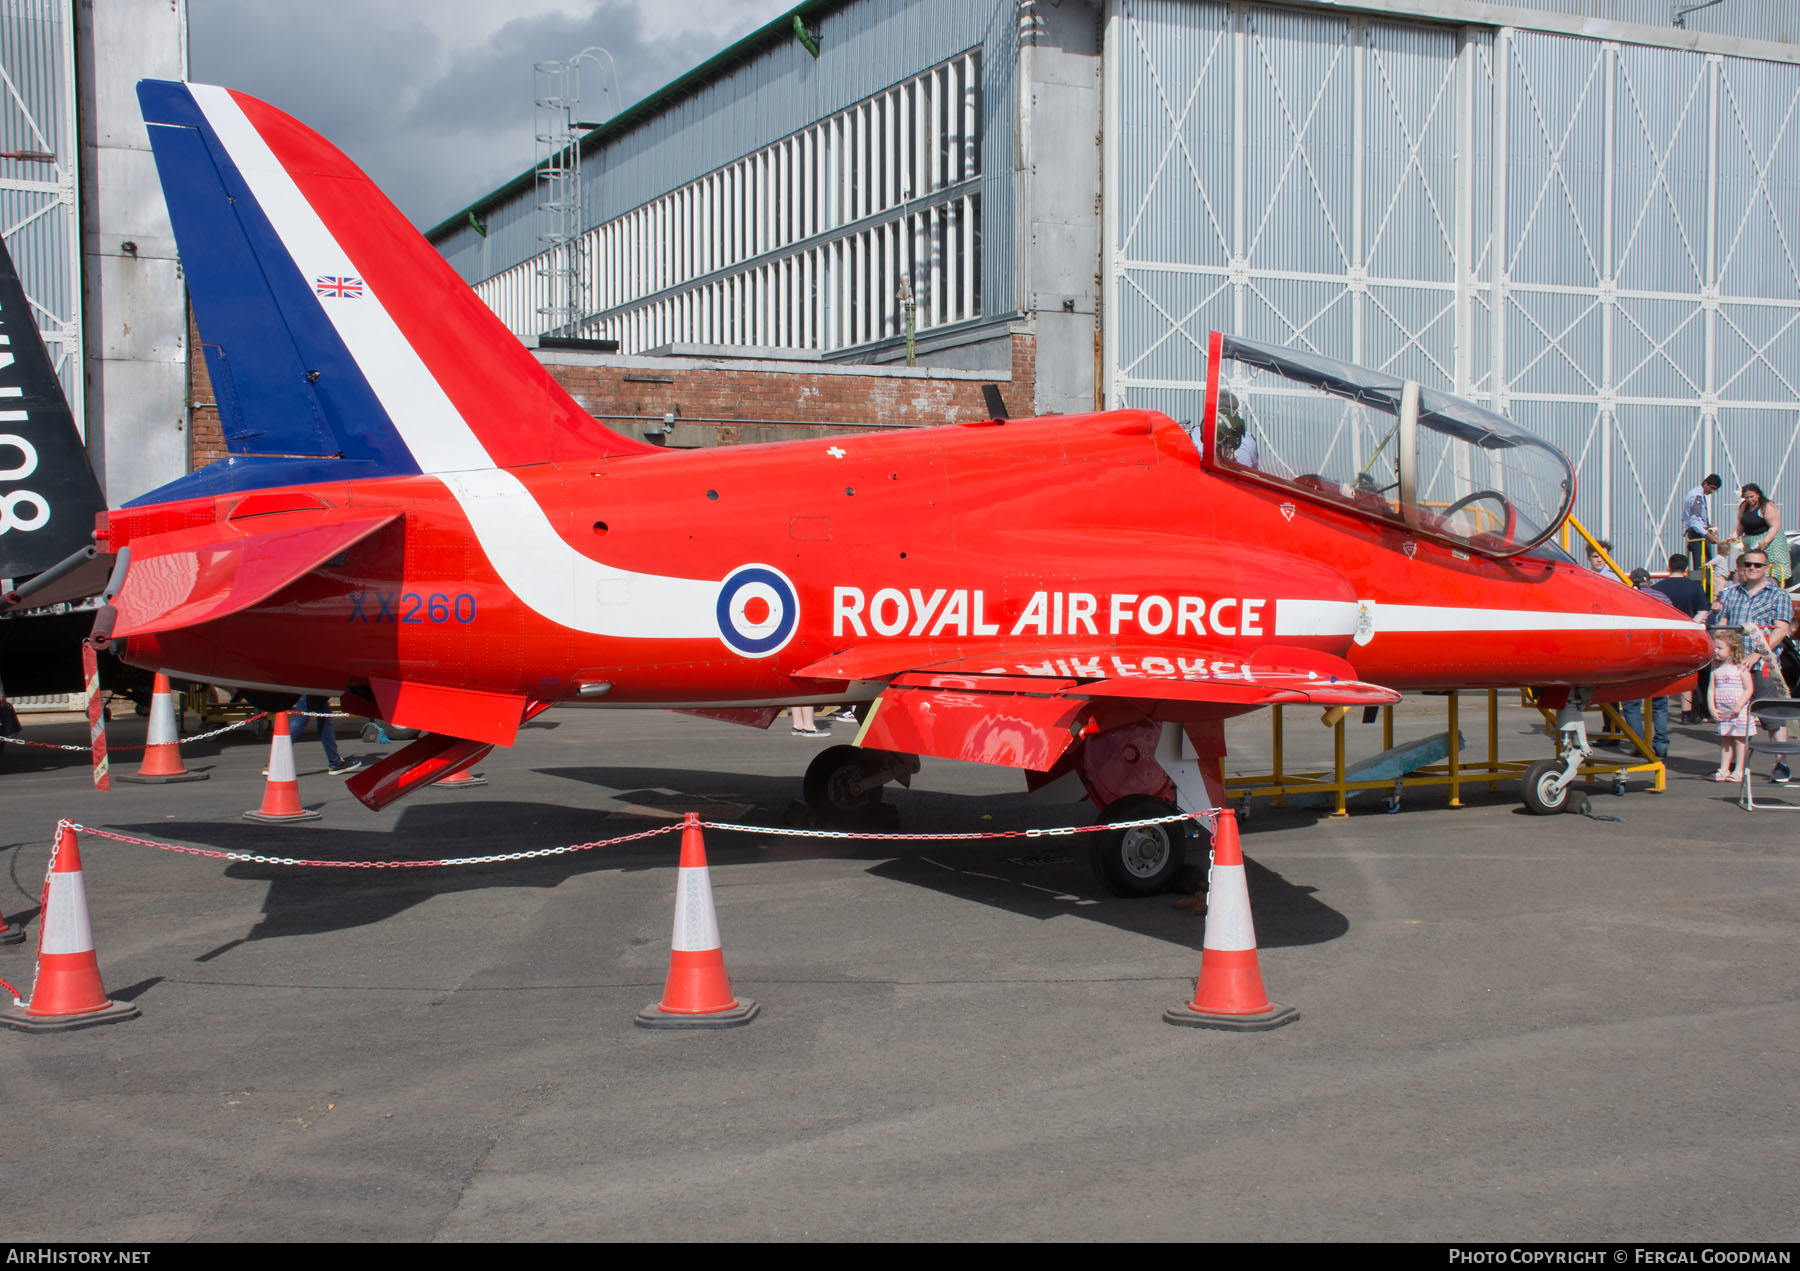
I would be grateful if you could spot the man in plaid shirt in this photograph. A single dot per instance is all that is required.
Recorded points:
(1766, 614)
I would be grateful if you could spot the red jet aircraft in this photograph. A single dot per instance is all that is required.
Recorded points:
(417, 516)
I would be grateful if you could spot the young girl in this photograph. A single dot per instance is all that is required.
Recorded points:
(1728, 695)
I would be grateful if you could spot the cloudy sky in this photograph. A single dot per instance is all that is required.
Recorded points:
(434, 97)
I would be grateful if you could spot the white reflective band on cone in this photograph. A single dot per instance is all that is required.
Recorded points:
(1228, 925)
(162, 720)
(281, 760)
(696, 925)
(66, 927)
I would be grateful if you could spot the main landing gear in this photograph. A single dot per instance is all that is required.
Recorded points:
(1143, 770)
(843, 783)
(1140, 860)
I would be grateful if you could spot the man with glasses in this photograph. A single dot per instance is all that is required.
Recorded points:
(1765, 613)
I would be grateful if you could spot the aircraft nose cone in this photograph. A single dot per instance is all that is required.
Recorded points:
(1689, 650)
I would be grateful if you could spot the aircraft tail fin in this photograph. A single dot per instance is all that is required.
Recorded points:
(48, 494)
(333, 331)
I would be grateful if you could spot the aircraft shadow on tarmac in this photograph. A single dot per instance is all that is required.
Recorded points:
(1049, 882)
(316, 900)
(1037, 877)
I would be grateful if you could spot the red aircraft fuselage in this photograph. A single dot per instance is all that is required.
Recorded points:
(1052, 537)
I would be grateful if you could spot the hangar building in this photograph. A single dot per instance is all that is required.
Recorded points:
(1584, 213)
(83, 219)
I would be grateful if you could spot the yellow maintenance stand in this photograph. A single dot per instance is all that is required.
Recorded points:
(1395, 770)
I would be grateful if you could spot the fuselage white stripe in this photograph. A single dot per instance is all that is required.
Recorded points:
(1338, 618)
(567, 587)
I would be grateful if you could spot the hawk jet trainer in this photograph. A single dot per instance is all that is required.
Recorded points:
(415, 515)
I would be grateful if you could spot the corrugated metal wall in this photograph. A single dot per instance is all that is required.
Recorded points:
(778, 95)
(1744, 19)
(803, 244)
(1332, 185)
(37, 197)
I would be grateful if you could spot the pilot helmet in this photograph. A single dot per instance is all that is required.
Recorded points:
(1230, 429)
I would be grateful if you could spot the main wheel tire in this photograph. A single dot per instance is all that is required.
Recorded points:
(1141, 860)
(1542, 798)
(836, 782)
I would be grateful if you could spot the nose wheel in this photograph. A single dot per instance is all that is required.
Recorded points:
(1548, 781)
(1546, 792)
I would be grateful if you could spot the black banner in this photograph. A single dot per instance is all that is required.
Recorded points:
(48, 495)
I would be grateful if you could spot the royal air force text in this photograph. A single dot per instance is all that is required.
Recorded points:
(891, 611)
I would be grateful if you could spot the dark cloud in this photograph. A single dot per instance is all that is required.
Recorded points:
(436, 118)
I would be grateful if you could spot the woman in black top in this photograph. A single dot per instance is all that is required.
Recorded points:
(1759, 525)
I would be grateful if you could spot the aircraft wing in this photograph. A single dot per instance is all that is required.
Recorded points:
(185, 577)
(1024, 709)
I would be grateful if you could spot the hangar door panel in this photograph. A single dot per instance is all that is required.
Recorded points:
(39, 177)
(1594, 239)
(1286, 176)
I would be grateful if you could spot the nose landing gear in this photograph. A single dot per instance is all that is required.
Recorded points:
(1548, 781)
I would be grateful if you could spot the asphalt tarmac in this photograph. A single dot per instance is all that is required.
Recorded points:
(1511, 1028)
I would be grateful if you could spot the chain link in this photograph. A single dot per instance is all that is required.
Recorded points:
(217, 732)
(534, 853)
(258, 859)
(962, 835)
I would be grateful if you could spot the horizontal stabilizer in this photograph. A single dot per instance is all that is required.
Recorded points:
(187, 577)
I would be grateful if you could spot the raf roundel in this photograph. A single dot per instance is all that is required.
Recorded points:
(758, 610)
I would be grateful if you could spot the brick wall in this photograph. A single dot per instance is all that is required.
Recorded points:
(718, 402)
(206, 439)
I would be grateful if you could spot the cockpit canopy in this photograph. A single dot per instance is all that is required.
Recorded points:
(1383, 447)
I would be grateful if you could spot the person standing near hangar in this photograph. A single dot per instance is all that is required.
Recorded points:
(1696, 520)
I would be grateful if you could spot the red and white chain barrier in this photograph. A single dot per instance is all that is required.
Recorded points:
(1054, 832)
(51, 745)
(954, 836)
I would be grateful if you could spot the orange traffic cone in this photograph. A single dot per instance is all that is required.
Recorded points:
(68, 993)
(697, 993)
(462, 779)
(281, 794)
(162, 755)
(1229, 993)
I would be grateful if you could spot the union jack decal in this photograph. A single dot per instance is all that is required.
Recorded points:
(342, 288)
